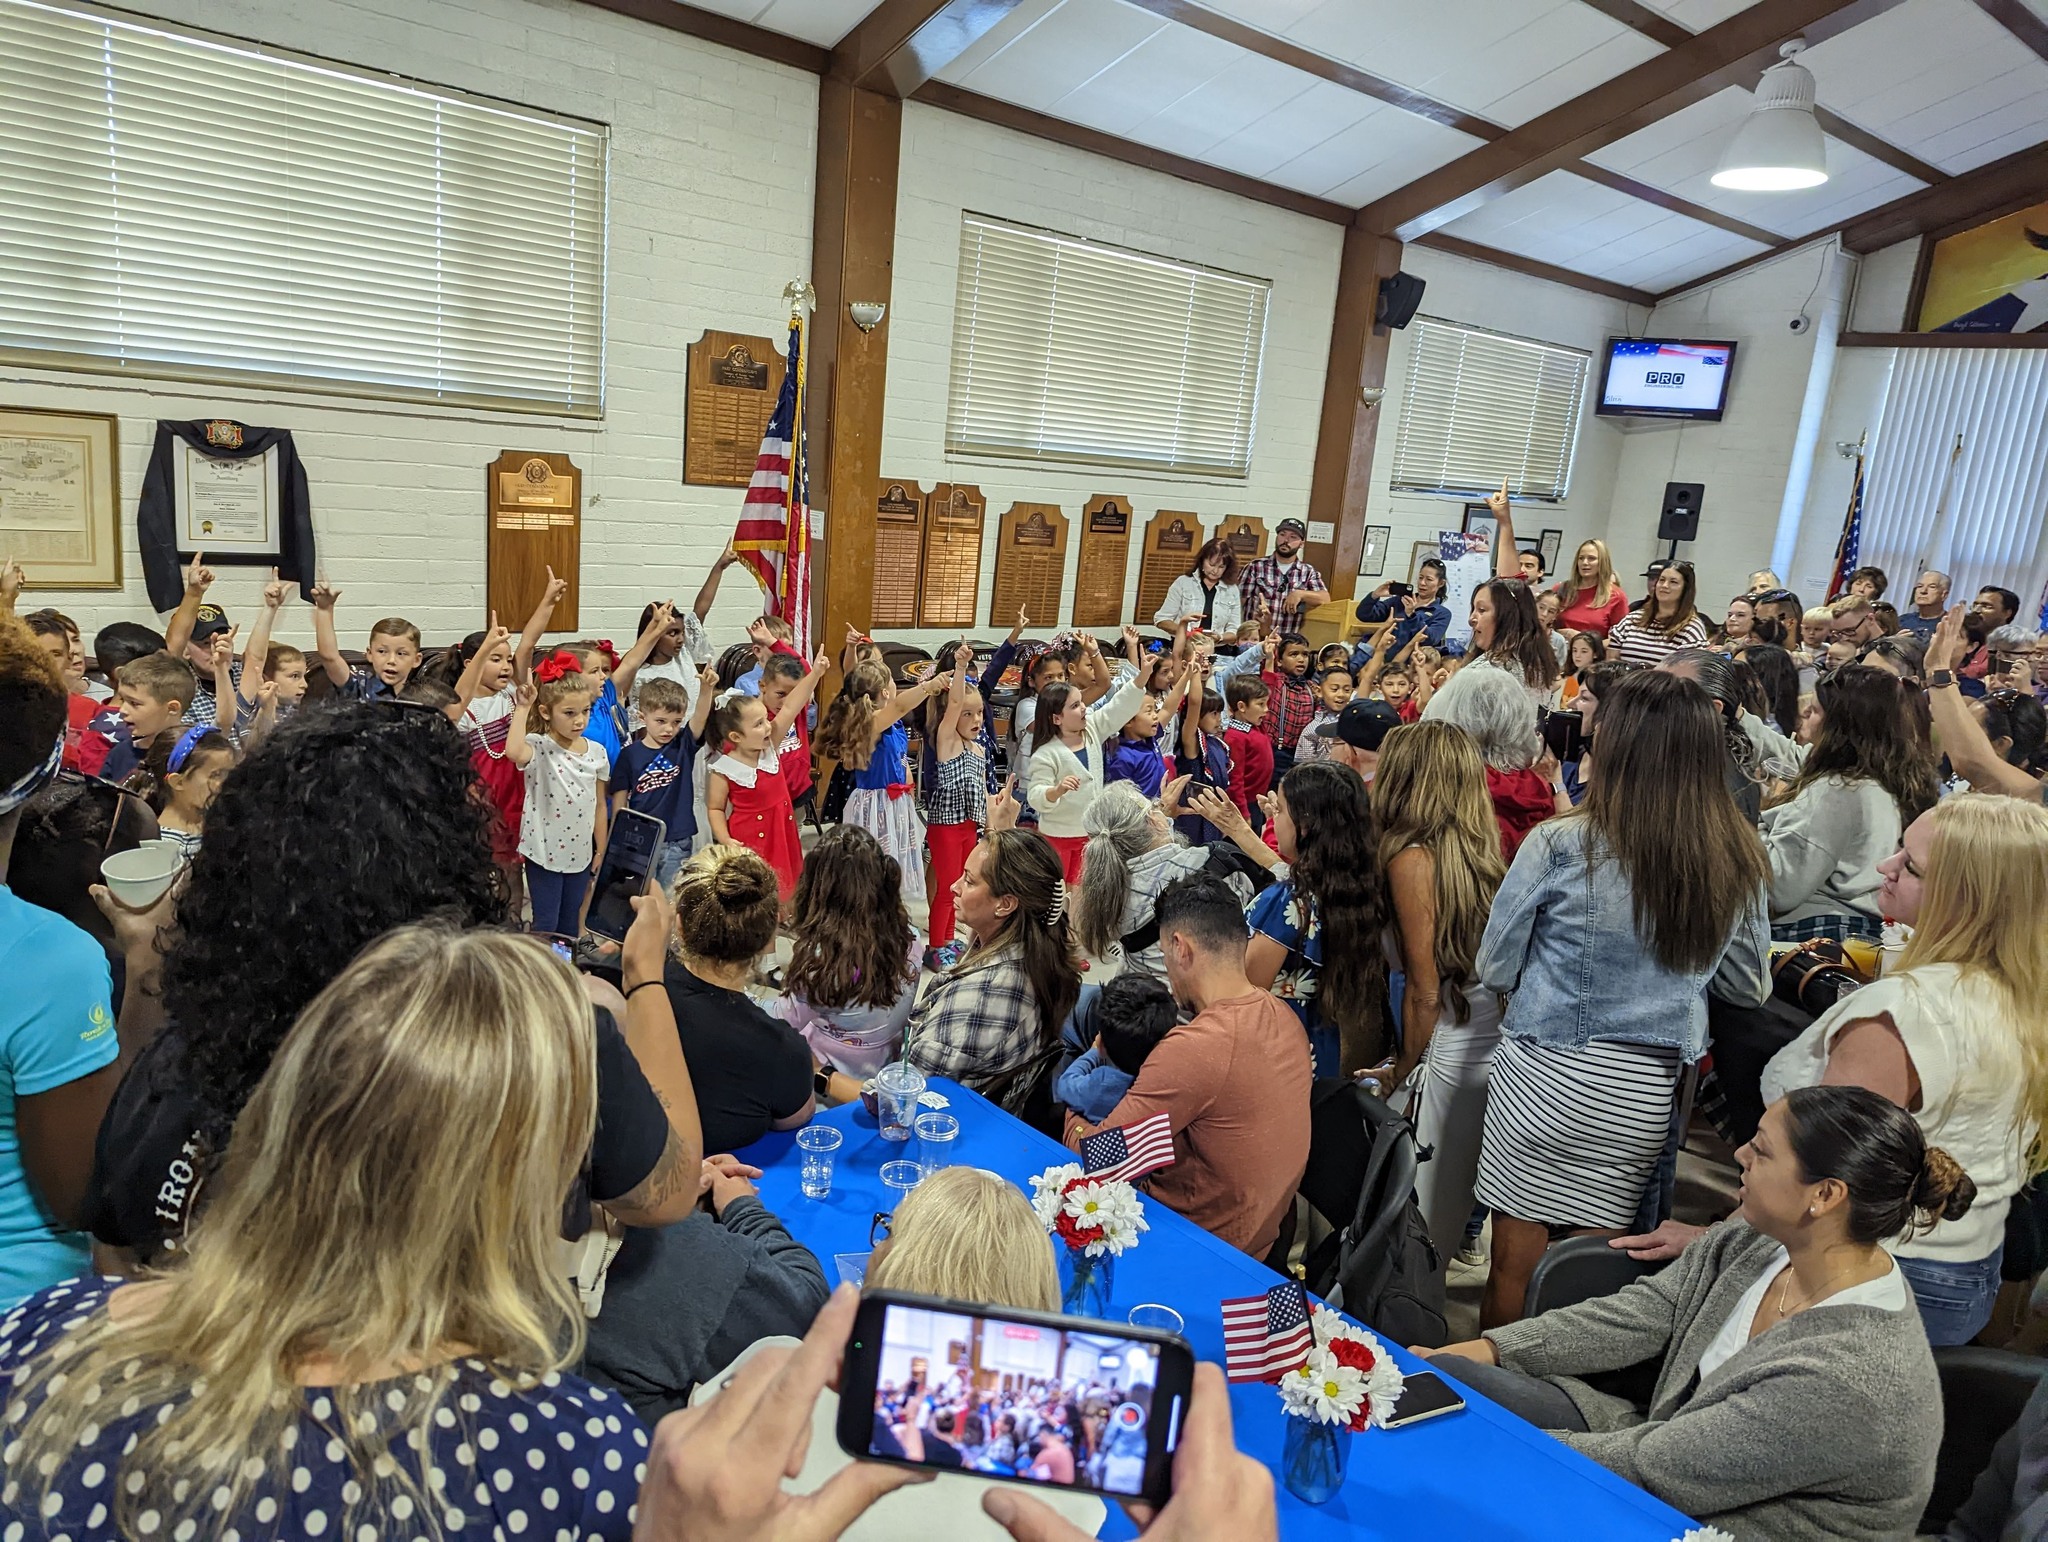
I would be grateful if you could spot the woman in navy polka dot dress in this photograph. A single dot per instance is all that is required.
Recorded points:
(366, 1338)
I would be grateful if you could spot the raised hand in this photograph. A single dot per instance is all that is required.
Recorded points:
(1022, 620)
(525, 696)
(726, 558)
(556, 588)
(1498, 502)
(275, 591)
(493, 636)
(757, 631)
(1003, 807)
(11, 580)
(663, 618)
(1945, 647)
(198, 576)
(707, 678)
(324, 596)
(224, 646)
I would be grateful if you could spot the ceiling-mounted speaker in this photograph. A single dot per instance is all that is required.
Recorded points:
(1400, 296)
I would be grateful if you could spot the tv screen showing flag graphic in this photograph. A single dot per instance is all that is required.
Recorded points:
(1663, 378)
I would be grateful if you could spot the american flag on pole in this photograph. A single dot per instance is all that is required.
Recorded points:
(1130, 1150)
(773, 537)
(1849, 550)
(1265, 1337)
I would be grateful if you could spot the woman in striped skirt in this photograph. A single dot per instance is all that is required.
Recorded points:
(1606, 933)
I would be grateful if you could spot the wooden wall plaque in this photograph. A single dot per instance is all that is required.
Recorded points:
(533, 504)
(1247, 534)
(733, 382)
(1105, 555)
(952, 556)
(1031, 564)
(1172, 537)
(899, 546)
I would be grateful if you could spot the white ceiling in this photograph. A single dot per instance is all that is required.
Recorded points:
(1937, 79)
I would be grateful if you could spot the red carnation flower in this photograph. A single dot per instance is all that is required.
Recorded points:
(1073, 1233)
(1352, 1353)
(1362, 1418)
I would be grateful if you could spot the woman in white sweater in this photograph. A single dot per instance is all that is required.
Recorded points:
(1957, 1034)
(1207, 593)
(1865, 779)
(1065, 770)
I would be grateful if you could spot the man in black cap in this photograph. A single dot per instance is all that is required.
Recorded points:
(1285, 585)
(1357, 733)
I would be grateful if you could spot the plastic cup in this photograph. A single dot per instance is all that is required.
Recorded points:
(897, 1088)
(139, 878)
(937, 1135)
(1159, 1319)
(899, 1178)
(816, 1143)
(853, 1267)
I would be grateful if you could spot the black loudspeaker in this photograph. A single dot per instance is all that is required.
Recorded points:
(1680, 520)
(1399, 298)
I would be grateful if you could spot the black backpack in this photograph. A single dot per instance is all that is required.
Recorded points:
(1379, 1264)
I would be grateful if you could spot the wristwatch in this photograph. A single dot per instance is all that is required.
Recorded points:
(821, 1080)
(1940, 678)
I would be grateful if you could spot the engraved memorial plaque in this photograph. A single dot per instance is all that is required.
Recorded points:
(899, 544)
(1031, 559)
(1172, 537)
(1105, 554)
(733, 382)
(1247, 536)
(533, 504)
(952, 556)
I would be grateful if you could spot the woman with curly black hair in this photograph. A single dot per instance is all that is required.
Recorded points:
(1316, 937)
(340, 825)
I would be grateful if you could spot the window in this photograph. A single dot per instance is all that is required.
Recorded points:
(1482, 405)
(1068, 350)
(180, 205)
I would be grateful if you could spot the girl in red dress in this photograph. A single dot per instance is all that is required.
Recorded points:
(744, 794)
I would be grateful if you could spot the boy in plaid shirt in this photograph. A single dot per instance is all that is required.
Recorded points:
(1294, 699)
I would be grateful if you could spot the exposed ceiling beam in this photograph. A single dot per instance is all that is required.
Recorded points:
(2022, 23)
(1990, 191)
(1839, 127)
(1723, 55)
(1654, 25)
(901, 44)
(937, 93)
(725, 30)
(1514, 263)
(1663, 200)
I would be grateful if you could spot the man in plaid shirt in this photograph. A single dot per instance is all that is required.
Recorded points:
(1283, 585)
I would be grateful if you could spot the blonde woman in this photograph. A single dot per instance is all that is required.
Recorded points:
(971, 1236)
(1593, 601)
(370, 1327)
(1440, 849)
(1957, 1034)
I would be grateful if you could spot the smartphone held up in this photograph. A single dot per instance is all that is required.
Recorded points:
(1025, 1397)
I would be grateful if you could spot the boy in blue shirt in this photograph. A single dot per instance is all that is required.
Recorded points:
(1132, 1014)
(651, 775)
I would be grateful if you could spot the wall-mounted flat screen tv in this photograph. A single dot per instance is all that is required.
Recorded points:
(1665, 377)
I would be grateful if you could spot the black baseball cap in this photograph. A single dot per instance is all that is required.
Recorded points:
(1292, 524)
(211, 619)
(1364, 725)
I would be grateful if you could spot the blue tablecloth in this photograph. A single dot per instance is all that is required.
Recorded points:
(1482, 1473)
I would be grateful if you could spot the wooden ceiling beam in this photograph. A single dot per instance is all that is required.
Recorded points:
(1992, 190)
(1723, 55)
(2022, 23)
(1438, 241)
(1663, 200)
(709, 26)
(901, 44)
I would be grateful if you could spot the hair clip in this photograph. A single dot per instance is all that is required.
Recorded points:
(182, 750)
(557, 664)
(1058, 908)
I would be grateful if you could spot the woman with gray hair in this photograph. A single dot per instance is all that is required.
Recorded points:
(1133, 852)
(1492, 707)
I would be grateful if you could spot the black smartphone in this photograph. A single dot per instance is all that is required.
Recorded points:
(1399, 591)
(1424, 1395)
(1564, 735)
(629, 855)
(997, 1391)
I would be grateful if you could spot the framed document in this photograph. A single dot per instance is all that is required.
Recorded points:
(1372, 561)
(226, 508)
(1549, 544)
(60, 497)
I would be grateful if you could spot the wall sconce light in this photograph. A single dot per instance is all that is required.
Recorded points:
(1847, 449)
(867, 314)
(1371, 395)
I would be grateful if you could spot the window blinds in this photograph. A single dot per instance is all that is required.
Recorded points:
(1069, 350)
(1974, 513)
(179, 205)
(1482, 405)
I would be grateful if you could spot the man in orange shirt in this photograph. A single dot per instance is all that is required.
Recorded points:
(1234, 1081)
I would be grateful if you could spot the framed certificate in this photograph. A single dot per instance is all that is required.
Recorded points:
(60, 497)
(226, 508)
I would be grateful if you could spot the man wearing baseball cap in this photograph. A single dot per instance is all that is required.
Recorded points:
(1285, 585)
(1356, 734)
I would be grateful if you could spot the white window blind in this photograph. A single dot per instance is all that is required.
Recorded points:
(1481, 405)
(1958, 472)
(181, 205)
(1070, 350)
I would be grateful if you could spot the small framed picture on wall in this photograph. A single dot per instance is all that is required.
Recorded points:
(1552, 544)
(1479, 520)
(1421, 550)
(1373, 563)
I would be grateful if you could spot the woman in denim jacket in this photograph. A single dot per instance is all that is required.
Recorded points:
(1606, 933)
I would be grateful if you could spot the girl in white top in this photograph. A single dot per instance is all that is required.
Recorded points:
(1065, 770)
(1957, 1035)
(562, 827)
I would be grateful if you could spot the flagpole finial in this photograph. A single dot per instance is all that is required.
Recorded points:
(801, 297)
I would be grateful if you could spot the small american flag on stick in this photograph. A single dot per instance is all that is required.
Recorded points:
(1265, 1337)
(1130, 1150)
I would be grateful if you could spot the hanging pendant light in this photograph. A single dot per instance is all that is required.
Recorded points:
(1779, 146)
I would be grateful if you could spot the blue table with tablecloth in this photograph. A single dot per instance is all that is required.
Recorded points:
(1480, 1474)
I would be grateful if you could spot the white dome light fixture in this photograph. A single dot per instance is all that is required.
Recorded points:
(1779, 147)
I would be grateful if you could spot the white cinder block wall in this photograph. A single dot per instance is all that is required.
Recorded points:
(712, 157)
(953, 165)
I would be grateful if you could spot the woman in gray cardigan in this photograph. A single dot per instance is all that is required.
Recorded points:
(1797, 1399)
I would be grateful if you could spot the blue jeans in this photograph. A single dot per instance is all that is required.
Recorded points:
(1954, 1299)
(669, 860)
(557, 899)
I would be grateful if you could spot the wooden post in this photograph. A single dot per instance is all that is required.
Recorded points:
(1344, 443)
